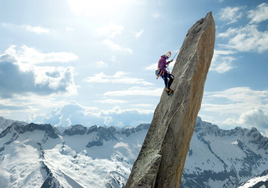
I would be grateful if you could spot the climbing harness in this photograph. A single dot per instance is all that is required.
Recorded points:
(159, 72)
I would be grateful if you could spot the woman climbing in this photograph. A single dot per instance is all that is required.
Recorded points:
(167, 77)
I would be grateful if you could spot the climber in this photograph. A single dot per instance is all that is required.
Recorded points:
(161, 71)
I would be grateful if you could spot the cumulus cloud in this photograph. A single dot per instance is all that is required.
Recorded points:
(74, 113)
(101, 64)
(110, 30)
(231, 14)
(32, 29)
(37, 30)
(151, 67)
(252, 118)
(240, 94)
(246, 39)
(222, 61)
(255, 117)
(18, 79)
(33, 56)
(259, 14)
(128, 117)
(118, 77)
(116, 47)
(249, 105)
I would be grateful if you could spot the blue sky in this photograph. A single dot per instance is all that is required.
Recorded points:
(92, 62)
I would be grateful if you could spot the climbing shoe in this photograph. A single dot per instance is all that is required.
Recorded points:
(169, 91)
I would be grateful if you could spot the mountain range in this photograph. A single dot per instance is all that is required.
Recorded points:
(39, 155)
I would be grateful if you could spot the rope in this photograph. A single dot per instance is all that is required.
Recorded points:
(173, 59)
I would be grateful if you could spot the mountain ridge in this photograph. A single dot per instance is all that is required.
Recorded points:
(64, 161)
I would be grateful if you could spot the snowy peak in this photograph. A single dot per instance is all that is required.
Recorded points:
(4, 123)
(131, 130)
(252, 136)
(260, 181)
(224, 157)
(75, 129)
(19, 128)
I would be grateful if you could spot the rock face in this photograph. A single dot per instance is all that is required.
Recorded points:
(162, 156)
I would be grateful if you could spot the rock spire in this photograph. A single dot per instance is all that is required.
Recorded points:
(162, 156)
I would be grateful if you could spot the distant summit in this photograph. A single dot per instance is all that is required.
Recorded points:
(224, 157)
(4, 123)
(37, 155)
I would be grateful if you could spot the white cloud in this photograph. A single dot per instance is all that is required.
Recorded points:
(252, 118)
(245, 106)
(222, 61)
(239, 100)
(119, 77)
(116, 47)
(111, 101)
(246, 39)
(136, 91)
(139, 33)
(34, 56)
(73, 113)
(110, 30)
(101, 64)
(260, 14)
(231, 14)
(37, 30)
(151, 67)
(22, 79)
(127, 117)
(156, 15)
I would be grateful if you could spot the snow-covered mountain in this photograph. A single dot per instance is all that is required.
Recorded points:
(41, 156)
(224, 158)
(4, 123)
(260, 181)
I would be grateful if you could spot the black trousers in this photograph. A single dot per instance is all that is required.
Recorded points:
(168, 79)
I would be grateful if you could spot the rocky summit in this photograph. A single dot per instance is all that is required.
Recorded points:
(162, 156)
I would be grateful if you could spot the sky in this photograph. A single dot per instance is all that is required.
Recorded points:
(86, 62)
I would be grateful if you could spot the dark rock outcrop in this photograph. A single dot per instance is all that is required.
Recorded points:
(161, 159)
(103, 134)
(75, 129)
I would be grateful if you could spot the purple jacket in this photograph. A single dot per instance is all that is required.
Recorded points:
(162, 63)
